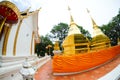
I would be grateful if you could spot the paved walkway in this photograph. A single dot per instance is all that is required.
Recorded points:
(45, 72)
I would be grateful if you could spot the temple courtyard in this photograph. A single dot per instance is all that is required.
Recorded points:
(76, 57)
(45, 72)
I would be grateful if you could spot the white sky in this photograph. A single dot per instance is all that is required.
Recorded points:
(56, 11)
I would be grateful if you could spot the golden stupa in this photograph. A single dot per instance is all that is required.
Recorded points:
(99, 40)
(57, 50)
(56, 46)
(75, 42)
(96, 53)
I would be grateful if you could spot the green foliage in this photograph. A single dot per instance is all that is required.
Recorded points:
(46, 40)
(85, 32)
(105, 28)
(60, 31)
(40, 48)
(112, 29)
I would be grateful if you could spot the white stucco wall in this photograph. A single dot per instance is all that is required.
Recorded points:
(11, 38)
(24, 37)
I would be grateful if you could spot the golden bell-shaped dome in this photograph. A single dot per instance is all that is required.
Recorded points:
(99, 40)
(75, 43)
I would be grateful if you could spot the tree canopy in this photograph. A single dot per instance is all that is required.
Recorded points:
(60, 31)
(112, 29)
(40, 48)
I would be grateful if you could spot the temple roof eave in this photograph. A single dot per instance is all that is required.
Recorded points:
(28, 13)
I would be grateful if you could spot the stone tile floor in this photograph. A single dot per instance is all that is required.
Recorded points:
(45, 72)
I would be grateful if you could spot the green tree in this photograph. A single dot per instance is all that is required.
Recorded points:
(112, 29)
(84, 32)
(40, 48)
(46, 40)
(60, 31)
(114, 33)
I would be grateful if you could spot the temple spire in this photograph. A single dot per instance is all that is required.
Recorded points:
(71, 17)
(73, 27)
(96, 30)
(93, 22)
(99, 40)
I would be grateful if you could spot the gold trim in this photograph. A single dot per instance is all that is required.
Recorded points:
(7, 33)
(12, 6)
(2, 24)
(31, 47)
(4, 42)
(16, 37)
(34, 45)
(93, 22)
(30, 13)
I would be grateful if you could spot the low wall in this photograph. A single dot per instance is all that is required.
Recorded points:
(10, 66)
(63, 64)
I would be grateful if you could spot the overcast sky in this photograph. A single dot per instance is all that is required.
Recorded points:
(55, 11)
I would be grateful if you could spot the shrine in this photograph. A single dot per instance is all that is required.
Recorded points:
(95, 52)
(75, 42)
(18, 36)
(93, 59)
(99, 39)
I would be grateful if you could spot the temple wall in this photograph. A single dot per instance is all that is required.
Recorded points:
(24, 43)
(1, 44)
(11, 39)
(17, 44)
(35, 20)
(24, 37)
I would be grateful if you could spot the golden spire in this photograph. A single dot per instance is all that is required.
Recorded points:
(73, 27)
(71, 18)
(93, 22)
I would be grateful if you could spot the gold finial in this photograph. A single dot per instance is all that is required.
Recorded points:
(71, 18)
(87, 10)
(93, 22)
(69, 8)
(26, 11)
